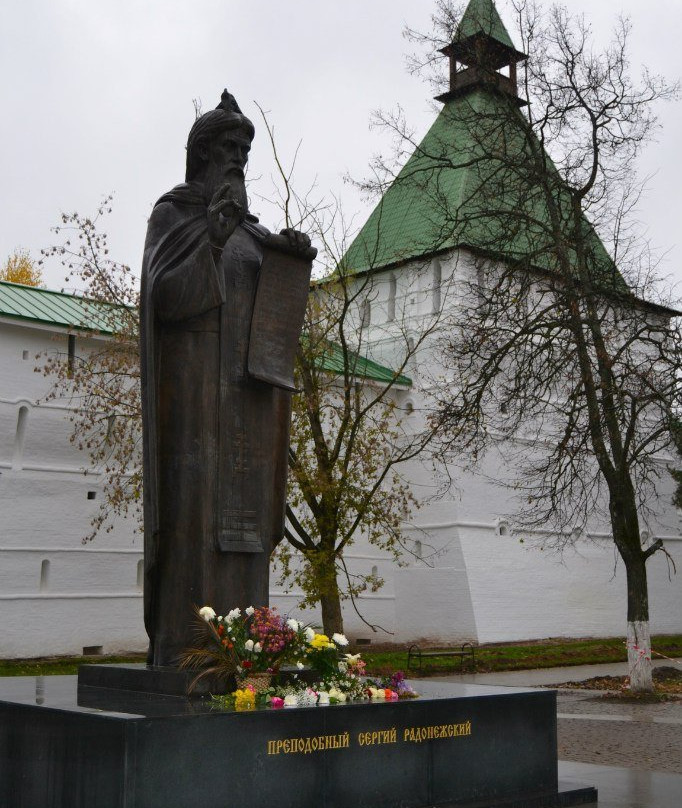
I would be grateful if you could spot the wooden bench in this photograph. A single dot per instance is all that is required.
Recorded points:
(465, 651)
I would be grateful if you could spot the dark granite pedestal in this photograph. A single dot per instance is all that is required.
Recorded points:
(458, 745)
(151, 679)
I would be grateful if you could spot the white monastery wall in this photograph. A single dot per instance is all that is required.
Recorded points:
(478, 579)
(57, 596)
(468, 575)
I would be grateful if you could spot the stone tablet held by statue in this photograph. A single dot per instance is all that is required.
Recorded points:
(222, 308)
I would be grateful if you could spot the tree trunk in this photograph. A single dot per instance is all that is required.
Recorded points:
(638, 637)
(625, 526)
(330, 601)
(639, 656)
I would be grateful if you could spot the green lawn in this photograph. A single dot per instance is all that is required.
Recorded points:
(543, 654)
(54, 666)
(516, 656)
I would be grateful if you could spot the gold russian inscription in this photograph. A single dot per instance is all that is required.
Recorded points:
(305, 746)
(321, 743)
(381, 736)
(436, 732)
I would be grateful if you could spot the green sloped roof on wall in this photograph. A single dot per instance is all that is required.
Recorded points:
(29, 303)
(332, 361)
(54, 308)
(453, 191)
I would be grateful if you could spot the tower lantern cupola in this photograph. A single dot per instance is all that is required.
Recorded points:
(480, 50)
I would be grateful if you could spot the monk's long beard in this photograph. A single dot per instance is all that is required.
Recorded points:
(216, 179)
(238, 191)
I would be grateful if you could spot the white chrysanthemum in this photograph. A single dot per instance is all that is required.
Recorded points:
(308, 698)
(294, 625)
(309, 634)
(340, 639)
(207, 613)
(257, 648)
(248, 645)
(249, 610)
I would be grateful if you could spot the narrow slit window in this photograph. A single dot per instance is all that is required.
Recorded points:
(71, 353)
(375, 571)
(44, 574)
(140, 574)
(366, 314)
(480, 284)
(436, 287)
(24, 355)
(92, 494)
(418, 549)
(20, 439)
(392, 293)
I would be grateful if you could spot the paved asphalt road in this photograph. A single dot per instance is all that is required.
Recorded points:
(591, 729)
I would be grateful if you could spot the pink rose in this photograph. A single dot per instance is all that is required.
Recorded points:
(276, 702)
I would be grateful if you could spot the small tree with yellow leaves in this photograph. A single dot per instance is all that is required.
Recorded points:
(21, 268)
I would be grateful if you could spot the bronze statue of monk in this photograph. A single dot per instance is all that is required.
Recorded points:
(219, 323)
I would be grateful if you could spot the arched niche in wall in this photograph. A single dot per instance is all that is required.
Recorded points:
(503, 528)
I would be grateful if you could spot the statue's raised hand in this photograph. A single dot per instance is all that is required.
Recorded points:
(224, 213)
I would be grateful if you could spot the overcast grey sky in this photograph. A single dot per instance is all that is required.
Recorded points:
(97, 98)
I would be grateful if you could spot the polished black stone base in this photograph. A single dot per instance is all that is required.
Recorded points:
(458, 745)
(152, 679)
(142, 678)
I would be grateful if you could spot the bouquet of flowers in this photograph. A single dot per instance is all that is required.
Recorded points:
(397, 683)
(257, 641)
(322, 654)
(252, 646)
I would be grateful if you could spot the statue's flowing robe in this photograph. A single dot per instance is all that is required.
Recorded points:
(215, 440)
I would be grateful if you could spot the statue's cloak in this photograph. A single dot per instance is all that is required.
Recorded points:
(215, 439)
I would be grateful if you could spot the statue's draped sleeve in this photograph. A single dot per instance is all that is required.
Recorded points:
(189, 289)
(179, 281)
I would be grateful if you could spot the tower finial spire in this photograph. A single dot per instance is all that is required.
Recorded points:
(480, 49)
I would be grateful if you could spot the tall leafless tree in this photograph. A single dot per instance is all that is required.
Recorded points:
(564, 350)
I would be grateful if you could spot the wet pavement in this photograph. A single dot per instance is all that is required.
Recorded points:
(542, 677)
(632, 752)
(624, 788)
